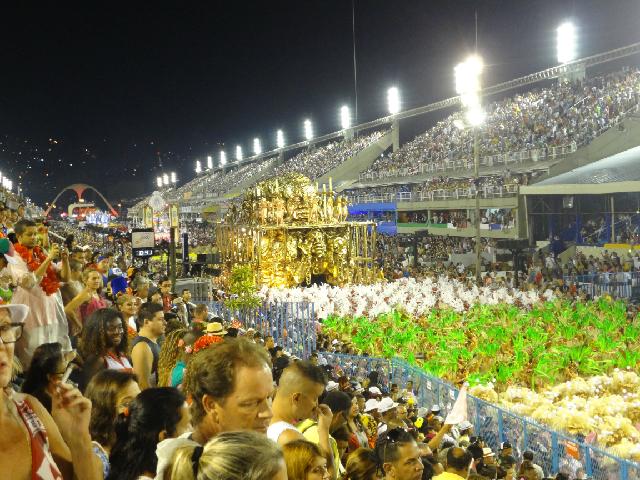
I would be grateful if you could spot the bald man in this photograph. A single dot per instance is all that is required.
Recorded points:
(296, 399)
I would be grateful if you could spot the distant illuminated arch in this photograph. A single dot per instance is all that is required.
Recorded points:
(80, 188)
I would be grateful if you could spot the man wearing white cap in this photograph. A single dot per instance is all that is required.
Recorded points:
(465, 429)
(370, 419)
(388, 409)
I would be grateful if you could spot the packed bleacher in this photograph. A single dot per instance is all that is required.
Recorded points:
(554, 116)
(315, 162)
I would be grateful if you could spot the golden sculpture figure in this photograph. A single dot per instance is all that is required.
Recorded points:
(289, 232)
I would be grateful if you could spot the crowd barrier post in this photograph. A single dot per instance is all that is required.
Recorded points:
(555, 461)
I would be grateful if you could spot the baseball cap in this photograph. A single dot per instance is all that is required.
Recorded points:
(386, 404)
(371, 404)
(6, 249)
(331, 386)
(375, 390)
(435, 408)
(17, 311)
(504, 445)
(465, 425)
(487, 452)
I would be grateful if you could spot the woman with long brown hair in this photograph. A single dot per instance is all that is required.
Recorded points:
(110, 392)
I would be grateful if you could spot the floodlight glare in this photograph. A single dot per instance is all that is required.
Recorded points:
(345, 117)
(174, 179)
(223, 158)
(280, 139)
(475, 116)
(198, 166)
(238, 153)
(209, 162)
(308, 130)
(467, 76)
(257, 147)
(165, 179)
(159, 182)
(566, 43)
(393, 100)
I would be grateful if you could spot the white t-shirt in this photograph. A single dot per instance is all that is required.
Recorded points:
(275, 430)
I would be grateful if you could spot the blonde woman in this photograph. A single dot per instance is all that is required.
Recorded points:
(305, 461)
(243, 455)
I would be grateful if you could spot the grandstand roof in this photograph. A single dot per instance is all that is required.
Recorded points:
(614, 174)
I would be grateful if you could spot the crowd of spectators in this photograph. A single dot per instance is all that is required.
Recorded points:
(416, 256)
(315, 162)
(442, 187)
(558, 115)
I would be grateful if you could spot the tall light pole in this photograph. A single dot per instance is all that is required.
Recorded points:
(308, 130)
(468, 87)
(280, 139)
(393, 106)
(566, 43)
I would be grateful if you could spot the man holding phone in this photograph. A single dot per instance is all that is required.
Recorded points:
(38, 283)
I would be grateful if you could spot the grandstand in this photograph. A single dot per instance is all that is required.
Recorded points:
(426, 185)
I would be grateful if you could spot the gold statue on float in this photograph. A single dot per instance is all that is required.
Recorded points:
(289, 231)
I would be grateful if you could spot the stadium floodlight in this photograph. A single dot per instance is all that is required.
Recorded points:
(223, 158)
(345, 117)
(198, 167)
(9, 185)
(159, 182)
(238, 153)
(165, 179)
(566, 43)
(209, 162)
(468, 87)
(280, 139)
(393, 100)
(257, 146)
(174, 178)
(308, 130)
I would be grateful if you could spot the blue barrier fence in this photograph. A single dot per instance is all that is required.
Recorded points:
(292, 325)
(553, 451)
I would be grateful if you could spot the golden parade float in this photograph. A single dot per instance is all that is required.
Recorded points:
(292, 234)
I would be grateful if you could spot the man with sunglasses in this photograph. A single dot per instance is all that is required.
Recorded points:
(399, 456)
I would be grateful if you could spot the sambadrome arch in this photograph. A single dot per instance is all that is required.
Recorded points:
(80, 188)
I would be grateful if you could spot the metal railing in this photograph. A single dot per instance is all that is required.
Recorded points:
(292, 325)
(440, 163)
(553, 451)
(488, 191)
(617, 285)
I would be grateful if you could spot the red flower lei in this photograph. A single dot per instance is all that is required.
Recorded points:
(34, 258)
(205, 341)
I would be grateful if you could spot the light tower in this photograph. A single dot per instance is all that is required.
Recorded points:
(467, 76)
(308, 130)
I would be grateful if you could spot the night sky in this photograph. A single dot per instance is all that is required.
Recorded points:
(113, 97)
